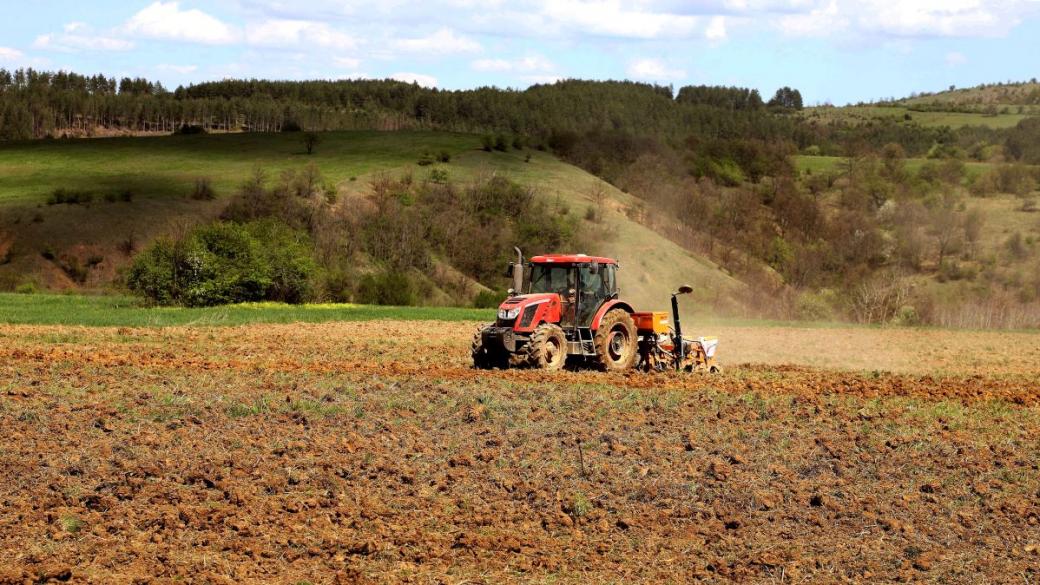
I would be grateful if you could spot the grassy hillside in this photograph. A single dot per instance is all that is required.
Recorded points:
(166, 167)
(822, 164)
(1000, 95)
(909, 115)
(160, 173)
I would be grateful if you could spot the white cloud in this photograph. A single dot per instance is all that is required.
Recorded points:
(613, 18)
(78, 36)
(653, 70)
(955, 58)
(9, 54)
(716, 30)
(166, 20)
(283, 33)
(181, 69)
(347, 62)
(917, 18)
(442, 41)
(421, 79)
(528, 64)
(492, 65)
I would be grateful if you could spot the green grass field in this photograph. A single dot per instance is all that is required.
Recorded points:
(859, 114)
(122, 311)
(822, 164)
(167, 166)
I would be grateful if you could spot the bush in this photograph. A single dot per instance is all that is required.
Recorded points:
(488, 299)
(65, 196)
(501, 143)
(906, 316)
(487, 142)
(444, 156)
(27, 288)
(189, 129)
(226, 263)
(439, 176)
(425, 160)
(387, 288)
(203, 191)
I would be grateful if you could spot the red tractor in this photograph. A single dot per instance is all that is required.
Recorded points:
(561, 306)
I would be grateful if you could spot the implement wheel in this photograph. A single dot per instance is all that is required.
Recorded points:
(547, 349)
(616, 341)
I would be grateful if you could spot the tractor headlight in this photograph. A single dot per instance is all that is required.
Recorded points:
(507, 314)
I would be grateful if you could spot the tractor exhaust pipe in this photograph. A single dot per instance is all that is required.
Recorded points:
(518, 272)
(680, 351)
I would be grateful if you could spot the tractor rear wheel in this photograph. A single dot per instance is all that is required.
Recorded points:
(547, 349)
(616, 341)
(482, 358)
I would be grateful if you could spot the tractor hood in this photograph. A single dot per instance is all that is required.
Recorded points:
(519, 302)
(526, 311)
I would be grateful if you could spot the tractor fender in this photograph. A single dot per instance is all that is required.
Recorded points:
(609, 306)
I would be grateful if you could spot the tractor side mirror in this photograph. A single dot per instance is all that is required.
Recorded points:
(684, 290)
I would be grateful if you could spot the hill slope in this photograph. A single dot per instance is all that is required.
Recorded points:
(159, 174)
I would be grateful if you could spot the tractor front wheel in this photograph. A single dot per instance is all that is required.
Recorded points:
(547, 349)
(616, 341)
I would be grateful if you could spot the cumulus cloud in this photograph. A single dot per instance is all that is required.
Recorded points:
(79, 36)
(613, 18)
(442, 41)
(9, 54)
(716, 30)
(167, 21)
(284, 33)
(918, 18)
(653, 70)
(528, 64)
(420, 78)
(347, 62)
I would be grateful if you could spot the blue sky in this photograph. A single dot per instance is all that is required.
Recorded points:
(836, 51)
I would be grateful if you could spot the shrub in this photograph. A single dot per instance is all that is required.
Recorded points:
(488, 299)
(439, 176)
(444, 156)
(226, 263)
(487, 142)
(65, 196)
(27, 288)
(425, 160)
(188, 129)
(387, 288)
(501, 142)
(203, 190)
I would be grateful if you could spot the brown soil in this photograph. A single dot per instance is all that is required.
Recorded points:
(367, 452)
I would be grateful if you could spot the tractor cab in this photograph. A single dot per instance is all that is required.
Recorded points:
(583, 284)
(560, 306)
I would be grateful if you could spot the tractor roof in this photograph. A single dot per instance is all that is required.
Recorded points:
(571, 259)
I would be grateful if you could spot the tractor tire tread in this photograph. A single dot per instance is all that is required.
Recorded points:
(536, 355)
(607, 323)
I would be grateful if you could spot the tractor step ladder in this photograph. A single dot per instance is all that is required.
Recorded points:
(586, 341)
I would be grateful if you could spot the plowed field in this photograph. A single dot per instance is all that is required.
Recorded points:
(367, 452)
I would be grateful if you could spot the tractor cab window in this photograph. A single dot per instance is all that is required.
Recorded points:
(597, 286)
(550, 278)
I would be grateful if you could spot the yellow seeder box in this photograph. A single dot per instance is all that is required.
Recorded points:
(651, 322)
